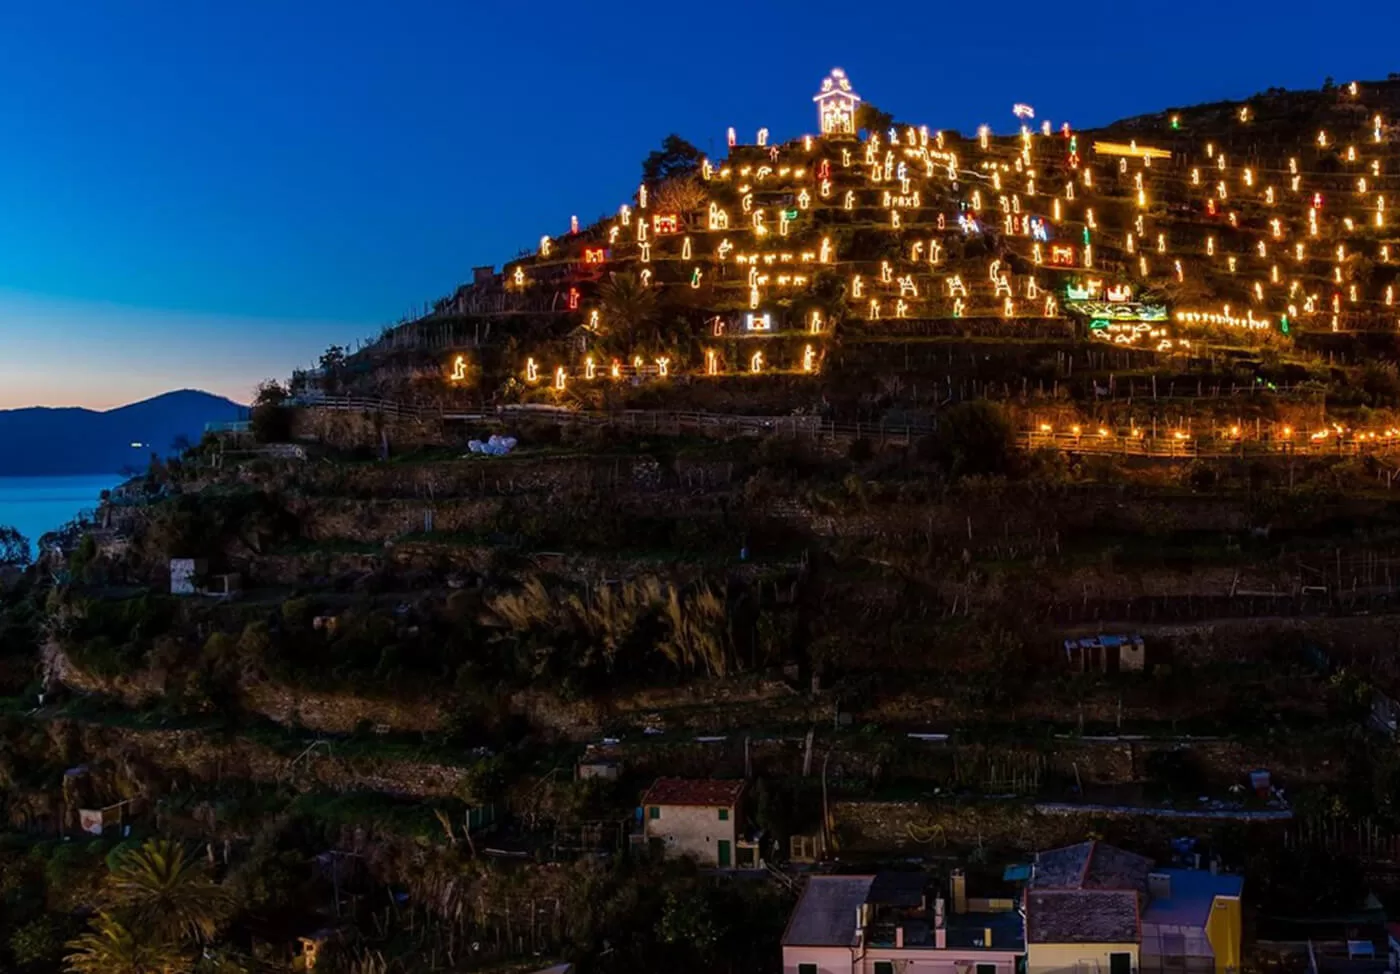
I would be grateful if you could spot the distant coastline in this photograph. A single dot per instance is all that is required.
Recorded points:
(37, 505)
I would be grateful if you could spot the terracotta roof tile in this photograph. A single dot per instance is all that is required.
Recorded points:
(693, 791)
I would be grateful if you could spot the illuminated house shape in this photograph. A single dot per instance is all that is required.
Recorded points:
(836, 104)
(665, 223)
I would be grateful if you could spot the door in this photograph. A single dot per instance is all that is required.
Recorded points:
(1120, 964)
(724, 861)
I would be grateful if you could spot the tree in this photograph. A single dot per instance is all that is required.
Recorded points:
(111, 947)
(683, 194)
(972, 438)
(14, 548)
(181, 445)
(271, 417)
(160, 886)
(871, 119)
(675, 158)
(628, 305)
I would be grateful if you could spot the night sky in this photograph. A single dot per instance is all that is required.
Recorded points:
(206, 193)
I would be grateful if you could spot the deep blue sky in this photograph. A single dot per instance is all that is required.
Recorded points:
(208, 192)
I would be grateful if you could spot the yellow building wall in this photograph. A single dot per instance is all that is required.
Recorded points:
(1224, 930)
(1075, 958)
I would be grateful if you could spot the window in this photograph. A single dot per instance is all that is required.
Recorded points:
(654, 812)
(806, 969)
(1120, 963)
(884, 967)
(986, 969)
(724, 814)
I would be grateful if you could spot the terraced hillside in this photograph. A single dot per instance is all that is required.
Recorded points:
(833, 461)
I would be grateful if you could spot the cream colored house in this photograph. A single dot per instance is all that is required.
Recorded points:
(697, 818)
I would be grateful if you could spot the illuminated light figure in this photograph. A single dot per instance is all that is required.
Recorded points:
(1037, 255)
(1273, 274)
(1052, 306)
(1276, 227)
(646, 277)
(1385, 253)
(590, 369)
(1361, 185)
(1263, 250)
(956, 288)
(663, 366)
(1130, 245)
(753, 297)
(1088, 178)
(613, 231)
(935, 252)
(1258, 291)
(958, 307)
(1008, 308)
(850, 201)
(1298, 251)
(1180, 276)
(783, 223)
(695, 276)
(723, 250)
(983, 132)
(894, 220)
(804, 200)
(1210, 246)
(756, 362)
(459, 368)
(595, 320)
(763, 322)
(809, 358)
(519, 277)
(1088, 256)
(886, 272)
(1351, 153)
(1221, 190)
(1297, 181)
(625, 213)
(907, 288)
(707, 171)
(1142, 266)
(901, 309)
(1337, 275)
(532, 371)
(1195, 177)
(1069, 191)
(595, 255)
(746, 204)
(1322, 139)
(916, 251)
(1089, 219)
(732, 139)
(615, 370)
(573, 299)
(857, 287)
(711, 362)
(1221, 162)
(976, 199)
(814, 323)
(642, 197)
(544, 246)
(1055, 211)
(759, 230)
(685, 249)
(1161, 243)
(825, 254)
(1032, 291)
(825, 188)
(1353, 89)
(1232, 262)
(719, 219)
(1390, 295)
(646, 253)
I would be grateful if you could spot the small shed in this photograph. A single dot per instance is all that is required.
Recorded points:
(185, 574)
(1106, 654)
(96, 821)
(595, 768)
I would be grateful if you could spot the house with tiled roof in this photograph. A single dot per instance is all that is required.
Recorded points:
(1092, 908)
(907, 922)
(1083, 907)
(698, 817)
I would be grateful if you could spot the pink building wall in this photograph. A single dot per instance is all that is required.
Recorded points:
(917, 960)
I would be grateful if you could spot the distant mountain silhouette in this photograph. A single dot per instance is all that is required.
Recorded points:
(41, 441)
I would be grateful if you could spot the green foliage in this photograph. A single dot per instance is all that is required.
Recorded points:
(14, 548)
(629, 308)
(162, 887)
(111, 947)
(271, 417)
(675, 158)
(973, 438)
(688, 922)
(39, 943)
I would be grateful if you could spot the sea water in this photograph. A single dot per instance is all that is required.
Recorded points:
(36, 505)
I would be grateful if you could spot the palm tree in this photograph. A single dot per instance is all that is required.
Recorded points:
(628, 305)
(162, 887)
(110, 947)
